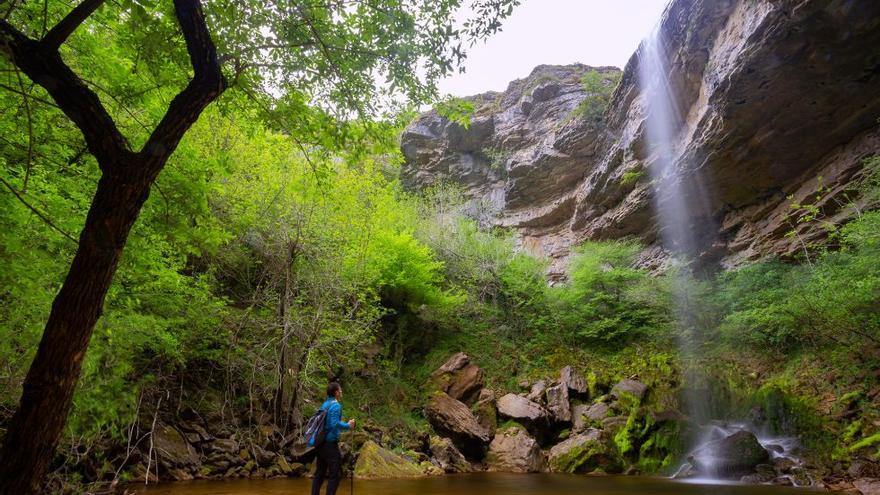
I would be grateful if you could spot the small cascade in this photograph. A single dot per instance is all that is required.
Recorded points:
(705, 462)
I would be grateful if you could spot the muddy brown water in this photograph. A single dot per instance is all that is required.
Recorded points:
(477, 484)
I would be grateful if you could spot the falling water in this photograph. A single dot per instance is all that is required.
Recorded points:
(676, 189)
(680, 203)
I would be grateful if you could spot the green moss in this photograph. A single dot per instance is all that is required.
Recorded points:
(631, 177)
(375, 462)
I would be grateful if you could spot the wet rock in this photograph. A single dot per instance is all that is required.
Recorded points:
(459, 378)
(772, 447)
(731, 457)
(558, 404)
(627, 389)
(514, 451)
(454, 420)
(764, 473)
(800, 477)
(583, 453)
(687, 470)
(447, 457)
(574, 380)
(784, 464)
(375, 462)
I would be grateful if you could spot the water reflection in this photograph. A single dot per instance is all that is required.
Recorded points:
(477, 484)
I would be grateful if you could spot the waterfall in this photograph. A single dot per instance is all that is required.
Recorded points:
(678, 192)
(681, 205)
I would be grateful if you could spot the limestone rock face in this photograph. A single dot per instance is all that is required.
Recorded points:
(771, 98)
(514, 451)
(584, 453)
(375, 462)
(453, 419)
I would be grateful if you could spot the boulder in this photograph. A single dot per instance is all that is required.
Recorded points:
(263, 457)
(485, 411)
(375, 462)
(867, 486)
(574, 380)
(731, 457)
(525, 412)
(452, 419)
(585, 414)
(558, 404)
(447, 457)
(584, 453)
(459, 378)
(514, 451)
(626, 389)
(861, 468)
(764, 473)
(536, 394)
(172, 449)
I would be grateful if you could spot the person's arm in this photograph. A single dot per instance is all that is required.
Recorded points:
(335, 414)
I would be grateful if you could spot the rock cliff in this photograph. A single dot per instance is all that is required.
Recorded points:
(778, 100)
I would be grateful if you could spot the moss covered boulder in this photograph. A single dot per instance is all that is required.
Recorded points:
(587, 452)
(447, 457)
(731, 457)
(454, 420)
(375, 462)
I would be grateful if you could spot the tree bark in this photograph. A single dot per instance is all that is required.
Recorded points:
(51, 381)
(36, 426)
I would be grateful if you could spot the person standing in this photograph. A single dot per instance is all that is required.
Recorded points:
(329, 459)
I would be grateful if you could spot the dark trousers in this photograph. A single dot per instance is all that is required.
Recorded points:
(329, 467)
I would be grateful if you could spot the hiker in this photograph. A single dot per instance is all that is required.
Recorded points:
(329, 459)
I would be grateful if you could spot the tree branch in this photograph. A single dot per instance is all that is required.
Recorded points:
(61, 31)
(45, 67)
(37, 212)
(206, 85)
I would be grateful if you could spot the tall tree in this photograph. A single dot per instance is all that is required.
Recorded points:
(329, 54)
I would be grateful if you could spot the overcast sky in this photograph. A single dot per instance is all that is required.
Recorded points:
(593, 32)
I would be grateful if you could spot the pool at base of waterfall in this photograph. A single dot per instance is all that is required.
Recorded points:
(476, 484)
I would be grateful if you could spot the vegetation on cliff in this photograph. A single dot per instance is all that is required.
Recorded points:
(277, 250)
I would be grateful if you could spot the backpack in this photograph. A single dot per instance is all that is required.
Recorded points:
(315, 430)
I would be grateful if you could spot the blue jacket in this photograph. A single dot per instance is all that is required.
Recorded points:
(334, 422)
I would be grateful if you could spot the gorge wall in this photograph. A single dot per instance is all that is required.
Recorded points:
(778, 99)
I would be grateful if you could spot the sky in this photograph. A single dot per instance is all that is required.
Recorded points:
(592, 32)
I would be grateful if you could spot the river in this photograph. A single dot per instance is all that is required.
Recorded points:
(476, 484)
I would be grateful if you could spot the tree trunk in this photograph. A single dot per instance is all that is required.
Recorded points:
(51, 381)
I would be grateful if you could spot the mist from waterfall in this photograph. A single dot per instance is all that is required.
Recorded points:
(664, 120)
